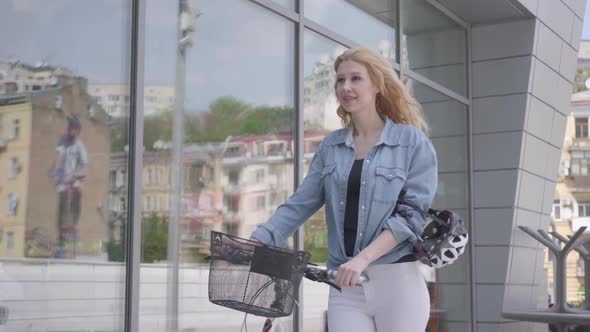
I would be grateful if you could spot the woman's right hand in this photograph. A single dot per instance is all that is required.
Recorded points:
(349, 273)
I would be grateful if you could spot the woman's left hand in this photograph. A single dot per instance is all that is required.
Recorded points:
(349, 272)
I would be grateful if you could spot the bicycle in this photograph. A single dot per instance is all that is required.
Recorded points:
(241, 272)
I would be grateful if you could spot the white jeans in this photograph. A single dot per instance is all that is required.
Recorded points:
(394, 300)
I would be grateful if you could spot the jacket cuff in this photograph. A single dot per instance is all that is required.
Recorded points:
(265, 234)
(401, 231)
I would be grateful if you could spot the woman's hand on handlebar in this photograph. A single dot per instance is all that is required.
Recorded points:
(349, 272)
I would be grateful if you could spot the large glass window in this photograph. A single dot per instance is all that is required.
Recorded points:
(374, 21)
(236, 153)
(447, 119)
(433, 45)
(320, 118)
(319, 99)
(61, 233)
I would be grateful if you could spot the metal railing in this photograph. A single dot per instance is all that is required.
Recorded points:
(561, 315)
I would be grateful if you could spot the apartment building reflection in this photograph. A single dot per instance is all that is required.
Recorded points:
(230, 187)
(35, 104)
(258, 177)
(18, 77)
(114, 98)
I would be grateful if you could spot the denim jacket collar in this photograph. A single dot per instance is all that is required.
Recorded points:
(389, 136)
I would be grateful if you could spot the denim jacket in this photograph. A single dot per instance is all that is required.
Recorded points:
(403, 158)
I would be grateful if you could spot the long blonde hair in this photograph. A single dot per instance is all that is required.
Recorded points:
(393, 99)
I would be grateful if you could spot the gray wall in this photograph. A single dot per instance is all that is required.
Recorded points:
(522, 77)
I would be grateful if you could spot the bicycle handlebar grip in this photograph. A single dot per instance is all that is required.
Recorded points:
(362, 279)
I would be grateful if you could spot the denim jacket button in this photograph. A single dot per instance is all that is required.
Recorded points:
(362, 207)
(341, 203)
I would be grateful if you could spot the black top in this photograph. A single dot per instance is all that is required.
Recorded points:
(351, 212)
(352, 206)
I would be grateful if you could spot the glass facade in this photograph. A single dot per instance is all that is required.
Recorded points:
(447, 118)
(375, 22)
(433, 45)
(62, 259)
(232, 104)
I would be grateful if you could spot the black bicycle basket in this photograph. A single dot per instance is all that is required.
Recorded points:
(251, 277)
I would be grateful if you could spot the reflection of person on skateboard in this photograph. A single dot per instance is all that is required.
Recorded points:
(68, 172)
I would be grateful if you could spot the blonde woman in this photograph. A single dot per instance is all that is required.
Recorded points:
(358, 172)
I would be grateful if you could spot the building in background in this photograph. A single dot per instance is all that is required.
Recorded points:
(583, 67)
(319, 101)
(114, 98)
(257, 177)
(17, 77)
(571, 203)
(31, 126)
(202, 196)
(230, 187)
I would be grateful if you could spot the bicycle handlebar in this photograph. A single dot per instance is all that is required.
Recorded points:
(360, 282)
(328, 276)
(238, 256)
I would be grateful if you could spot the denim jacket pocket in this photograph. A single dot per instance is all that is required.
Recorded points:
(388, 183)
(328, 178)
